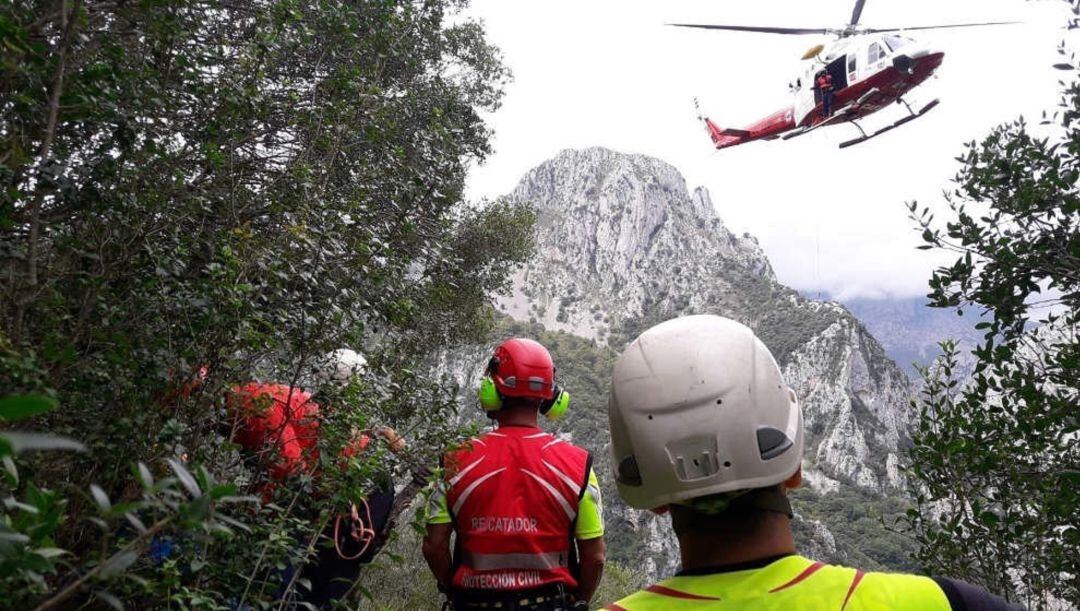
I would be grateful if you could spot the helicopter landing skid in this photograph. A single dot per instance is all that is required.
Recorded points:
(840, 116)
(911, 117)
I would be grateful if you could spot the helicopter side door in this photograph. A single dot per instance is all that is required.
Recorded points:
(805, 92)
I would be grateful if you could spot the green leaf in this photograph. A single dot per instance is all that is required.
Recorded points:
(146, 478)
(22, 442)
(51, 552)
(109, 599)
(11, 470)
(11, 503)
(102, 499)
(136, 522)
(199, 508)
(246, 499)
(13, 537)
(222, 490)
(236, 523)
(118, 564)
(185, 477)
(366, 593)
(20, 407)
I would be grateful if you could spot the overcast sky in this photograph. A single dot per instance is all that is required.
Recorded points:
(609, 73)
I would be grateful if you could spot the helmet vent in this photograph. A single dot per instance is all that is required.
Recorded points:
(628, 473)
(694, 457)
(772, 442)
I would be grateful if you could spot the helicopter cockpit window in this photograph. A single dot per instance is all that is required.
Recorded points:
(851, 63)
(875, 53)
(895, 42)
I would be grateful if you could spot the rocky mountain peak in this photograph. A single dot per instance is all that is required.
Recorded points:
(626, 203)
(619, 234)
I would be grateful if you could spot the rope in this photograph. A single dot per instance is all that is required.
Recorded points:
(817, 258)
(359, 530)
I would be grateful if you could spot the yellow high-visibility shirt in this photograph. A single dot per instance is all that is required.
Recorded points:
(790, 583)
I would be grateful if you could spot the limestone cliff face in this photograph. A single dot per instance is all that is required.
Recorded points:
(619, 236)
(855, 404)
(623, 244)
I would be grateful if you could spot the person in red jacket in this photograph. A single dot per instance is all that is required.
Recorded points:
(524, 504)
(825, 86)
(277, 426)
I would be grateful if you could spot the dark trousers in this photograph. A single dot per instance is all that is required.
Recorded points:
(826, 103)
(331, 575)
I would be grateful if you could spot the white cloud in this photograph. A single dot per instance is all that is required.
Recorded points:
(609, 73)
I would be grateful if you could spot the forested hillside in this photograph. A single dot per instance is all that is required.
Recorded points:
(198, 195)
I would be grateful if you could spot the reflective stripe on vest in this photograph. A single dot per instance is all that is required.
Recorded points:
(791, 583)
(493, 562)
(513, 496)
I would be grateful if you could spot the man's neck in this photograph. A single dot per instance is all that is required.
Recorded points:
(707, 549)
(517, 416)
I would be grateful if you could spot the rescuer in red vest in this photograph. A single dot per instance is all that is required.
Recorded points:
(825, 86)
(524, 504)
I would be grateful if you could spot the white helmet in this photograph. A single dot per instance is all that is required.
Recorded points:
(698, 407)
(338, 367)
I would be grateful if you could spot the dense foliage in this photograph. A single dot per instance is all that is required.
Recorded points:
(240, 187)
(995, 462)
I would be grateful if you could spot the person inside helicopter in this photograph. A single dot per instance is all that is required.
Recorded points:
(825, 87)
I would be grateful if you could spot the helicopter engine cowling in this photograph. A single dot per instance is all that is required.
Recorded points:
(904, 63)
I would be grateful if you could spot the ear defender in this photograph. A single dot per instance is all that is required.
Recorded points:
(489, 395)
(555, 407)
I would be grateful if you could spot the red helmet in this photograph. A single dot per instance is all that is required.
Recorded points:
(522, 368)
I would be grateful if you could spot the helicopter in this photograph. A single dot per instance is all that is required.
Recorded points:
(869, 69)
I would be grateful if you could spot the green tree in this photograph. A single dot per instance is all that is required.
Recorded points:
(995, 463)
(243, 186)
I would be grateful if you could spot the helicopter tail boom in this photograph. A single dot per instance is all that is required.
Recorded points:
(724, 137)
(768, 128)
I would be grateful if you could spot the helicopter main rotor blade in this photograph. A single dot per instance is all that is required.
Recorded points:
(857, 13)
(749, 28)
(937, 27)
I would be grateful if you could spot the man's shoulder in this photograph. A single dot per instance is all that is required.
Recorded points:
(966, 597)
(792, 580)
(559, 444)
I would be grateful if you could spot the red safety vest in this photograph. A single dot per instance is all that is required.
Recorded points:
(825, 82)
(513, 495)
